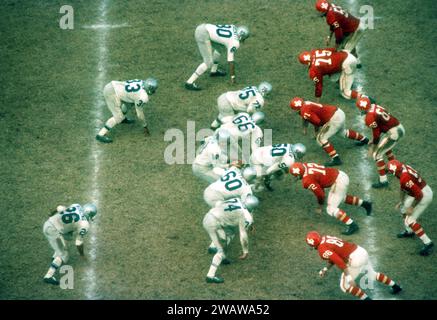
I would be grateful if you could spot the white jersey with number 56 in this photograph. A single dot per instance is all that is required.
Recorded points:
(247, 100)
(226, 35)
(131, 91)
(71, 219)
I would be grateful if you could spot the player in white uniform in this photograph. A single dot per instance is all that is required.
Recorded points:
(271, 161)
(62, 225)
(249, 99)
(120, 94)
(212, 160)
(209, 37)
(243, 127)
(222, 223)
(234, 183)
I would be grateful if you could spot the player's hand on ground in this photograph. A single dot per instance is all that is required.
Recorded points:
(398, 206)
(318, 210)
(327, 40)
(232, 79)
(322, 273)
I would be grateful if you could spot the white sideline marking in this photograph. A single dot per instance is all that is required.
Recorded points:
(96, 149)
(365, 168)
(105, 26)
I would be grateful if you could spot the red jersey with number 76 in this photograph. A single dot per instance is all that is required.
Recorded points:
(325, 62)
(336, 250)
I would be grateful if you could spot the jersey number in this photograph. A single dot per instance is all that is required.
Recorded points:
(224, 30)
(384, 115)
(234, 184)
(132, 85)
(246, 93)
(313, 168)
(278, 150)
(232, 207)
(322, 57)
(244, 123)
(70, 215)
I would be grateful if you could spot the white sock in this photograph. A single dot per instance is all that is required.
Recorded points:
(108, 126)
(425, 239)
(199, 71)
(383, 179)
(214, 67)
(216, 260)
(56, 263)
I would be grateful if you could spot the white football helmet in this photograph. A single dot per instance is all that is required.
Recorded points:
(89, 211)
(150, 85)
(249, 174)
(258, 117)
(251, 202)
(242, 33)
(298, 150)
(265, 88)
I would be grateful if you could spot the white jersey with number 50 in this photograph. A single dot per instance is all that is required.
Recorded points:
(247, 100)
(226, 35)
(70, 220)
(131, 91)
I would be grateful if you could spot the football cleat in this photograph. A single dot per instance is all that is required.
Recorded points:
(336, 161)
(368, 206)
(362, 142)
(425, 251)
(380, 185)
(103, 139)
(396, 289)
(51, 280)
(128, 121)
(192, 86)
(218, 73)
(226, 261)
(352, 228)
(214, 280)
(405, 234)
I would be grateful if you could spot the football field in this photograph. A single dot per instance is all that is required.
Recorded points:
(147, 241)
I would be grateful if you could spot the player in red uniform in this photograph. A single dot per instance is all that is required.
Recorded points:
(329, 61)
(348, 29)
(387, 130)
(316, 178)
(352, 259)
(416, 196)
(327, 120)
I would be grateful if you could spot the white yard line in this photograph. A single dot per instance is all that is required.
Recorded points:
(106, 26)
(96, 149)
(365, 169)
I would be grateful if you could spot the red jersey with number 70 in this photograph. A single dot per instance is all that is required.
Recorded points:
(380, 121)
(317, 178)
(336, 250)
(325, 62)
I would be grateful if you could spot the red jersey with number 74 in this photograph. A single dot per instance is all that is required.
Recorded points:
(325, 62)
(336, 250)
(317, 178)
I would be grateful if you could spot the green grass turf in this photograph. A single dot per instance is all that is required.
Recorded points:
(150, 241)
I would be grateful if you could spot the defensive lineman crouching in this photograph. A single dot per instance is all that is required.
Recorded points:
(222, 223)
(249, 99)
(120, 94)
(352, 259)
(62, 225)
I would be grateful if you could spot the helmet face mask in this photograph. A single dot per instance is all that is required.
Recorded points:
(249, 174)
(258, 117)
(242, 33)
(150, 85)
(265, 88)
(251, 202)
(298, 150)
(90, 211)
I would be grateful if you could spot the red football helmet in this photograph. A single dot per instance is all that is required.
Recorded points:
(297, 169)
(363, 103)
(394, 167)
(305, 57)
(322, 6)
(313, 239)
(296, 103)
